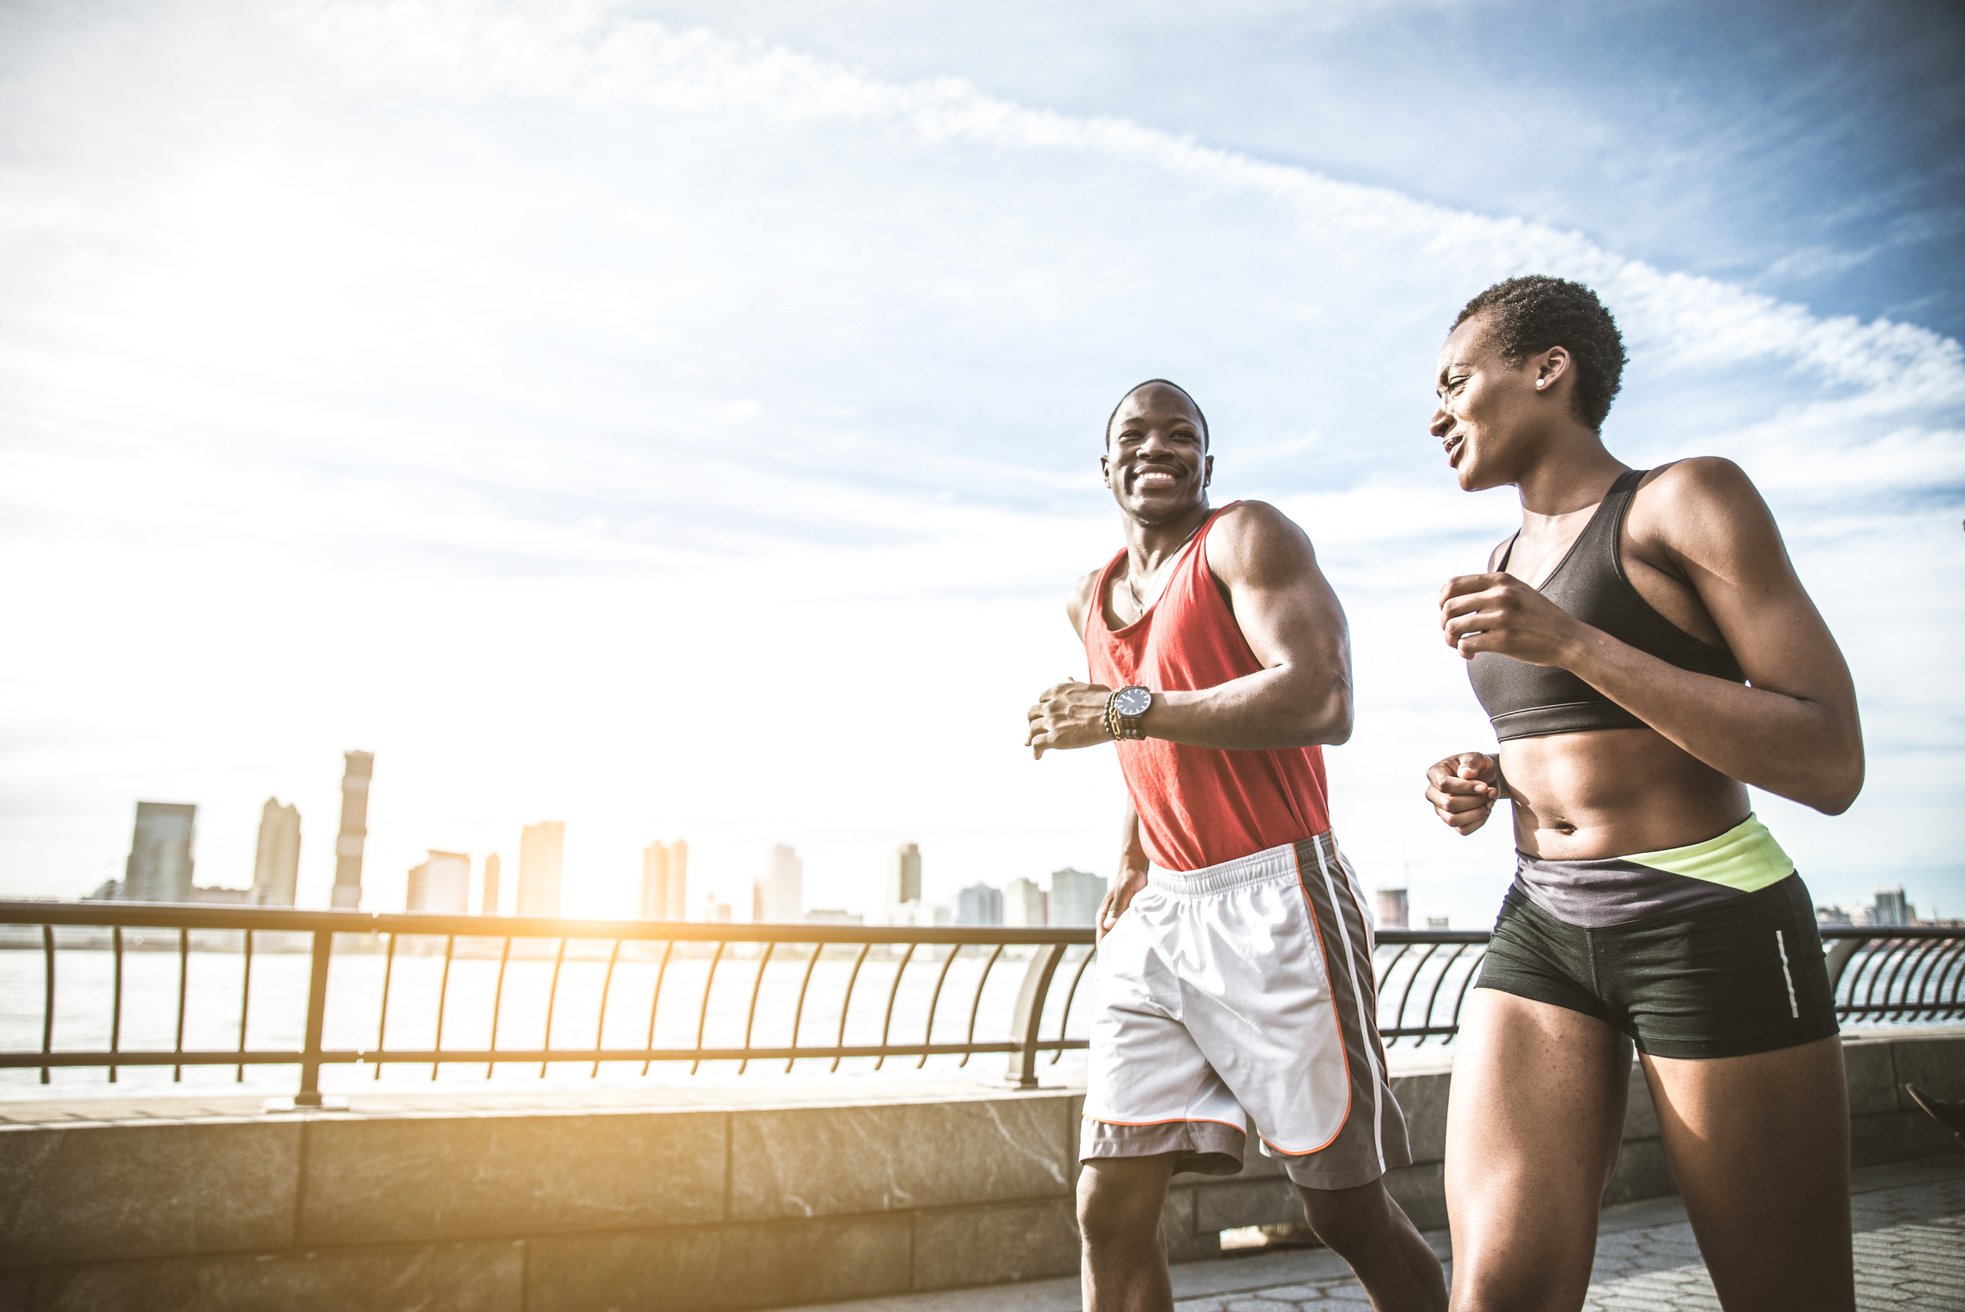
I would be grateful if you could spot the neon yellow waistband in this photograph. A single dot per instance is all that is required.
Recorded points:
(1745, 857)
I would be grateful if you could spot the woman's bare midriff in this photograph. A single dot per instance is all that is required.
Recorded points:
(1612, 792)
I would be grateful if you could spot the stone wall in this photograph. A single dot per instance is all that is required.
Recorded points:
(691, 1207)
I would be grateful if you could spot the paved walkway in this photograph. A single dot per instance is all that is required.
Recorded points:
(1910, 1253)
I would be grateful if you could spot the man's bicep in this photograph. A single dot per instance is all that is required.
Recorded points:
(1288, 612)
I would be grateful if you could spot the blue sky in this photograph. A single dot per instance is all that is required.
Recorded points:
(682, 419)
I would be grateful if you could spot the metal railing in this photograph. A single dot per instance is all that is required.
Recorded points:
(1897, 974)
(1881, 975)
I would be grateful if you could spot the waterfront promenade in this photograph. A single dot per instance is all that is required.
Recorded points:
(1910, 1254)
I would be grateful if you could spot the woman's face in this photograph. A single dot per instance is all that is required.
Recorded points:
(1487, 407)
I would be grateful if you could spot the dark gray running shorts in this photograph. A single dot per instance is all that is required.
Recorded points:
(1739, 976)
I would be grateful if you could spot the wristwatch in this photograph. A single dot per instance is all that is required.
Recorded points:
(1125, 709)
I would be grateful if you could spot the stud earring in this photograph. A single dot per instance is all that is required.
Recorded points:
(1541, 383)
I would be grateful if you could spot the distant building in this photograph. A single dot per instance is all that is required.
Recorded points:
(1437, 922)
(665, 881)
(1024, 904)
(1393, 912)
(1833, 914)
(224, 897)
(276, 865)
(779, 894)
(920, 915)
(715, 910)
(904, 885)
(159, 866)
(1075, 897)
(1892, 908)
(542, 848)
(442, 884)
(358, 768)
(828, 916)
(979, 904)
(491, 874)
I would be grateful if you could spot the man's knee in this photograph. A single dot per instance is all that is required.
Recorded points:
(1351, 1219)
(1119, 1206)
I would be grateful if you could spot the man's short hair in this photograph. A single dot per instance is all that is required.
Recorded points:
(1534, 312)
(1157, 382)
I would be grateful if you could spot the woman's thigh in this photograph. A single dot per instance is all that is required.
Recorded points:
(1759, 1146)
(1535, 1116)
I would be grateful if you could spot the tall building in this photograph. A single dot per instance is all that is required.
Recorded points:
(665, 881)
(541, 849)
(904, 885)
(979, 904)
(779, 895)
(491, 868)
(1024, 904)
(1393, 912)
(442, 884)
(1075, 897)
(276, 866)
(159, 868)
(1892, 907)
(358, 768)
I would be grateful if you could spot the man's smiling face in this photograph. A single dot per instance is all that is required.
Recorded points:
(1156, 457)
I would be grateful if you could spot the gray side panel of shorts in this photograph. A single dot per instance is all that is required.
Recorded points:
(1609, 891)
(1373, 1139)
(1205, 1147)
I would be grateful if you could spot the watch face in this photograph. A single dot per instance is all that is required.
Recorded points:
(1133, 702)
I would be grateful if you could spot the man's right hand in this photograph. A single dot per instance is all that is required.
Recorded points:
(1118, 897)
(1463, 790)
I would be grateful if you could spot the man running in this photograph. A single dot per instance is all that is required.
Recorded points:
(1234, 968)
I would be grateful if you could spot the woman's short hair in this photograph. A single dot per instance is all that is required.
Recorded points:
(1534, 312)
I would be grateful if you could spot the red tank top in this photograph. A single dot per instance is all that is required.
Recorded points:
(1199, 806)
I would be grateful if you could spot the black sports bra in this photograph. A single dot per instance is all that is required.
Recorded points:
(1525, 701)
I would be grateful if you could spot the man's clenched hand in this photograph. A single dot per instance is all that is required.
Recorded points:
(1069, 714)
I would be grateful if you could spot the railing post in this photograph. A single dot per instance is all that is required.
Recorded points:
(1029, 1016)
(310, 1051)
(1841, 952)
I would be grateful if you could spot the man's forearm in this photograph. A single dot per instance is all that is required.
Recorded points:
(1278, 707)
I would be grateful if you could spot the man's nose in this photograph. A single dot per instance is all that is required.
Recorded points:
(1442, 421)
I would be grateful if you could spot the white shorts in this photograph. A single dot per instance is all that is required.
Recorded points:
(1244, 991)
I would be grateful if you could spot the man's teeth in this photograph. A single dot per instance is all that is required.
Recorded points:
(1156, 476)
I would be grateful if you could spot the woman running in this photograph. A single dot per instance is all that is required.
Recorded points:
(1645, 653)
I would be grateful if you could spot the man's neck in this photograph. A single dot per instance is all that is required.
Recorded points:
(1150, 545)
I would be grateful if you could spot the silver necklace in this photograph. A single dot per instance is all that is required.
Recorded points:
(1132, 585)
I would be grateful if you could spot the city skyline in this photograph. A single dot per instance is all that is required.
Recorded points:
(165, 834)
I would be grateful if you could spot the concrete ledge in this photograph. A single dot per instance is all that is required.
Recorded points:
(719, 1267)
(830, 1161)
(429, 1277)
(443, 1177)
(748, 1205)
(119, 1191)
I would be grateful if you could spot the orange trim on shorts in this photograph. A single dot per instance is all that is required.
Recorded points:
(1343, 1048)
(1178, 1120)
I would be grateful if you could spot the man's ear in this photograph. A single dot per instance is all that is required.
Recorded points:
(1105, 470)
(1207, 471)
